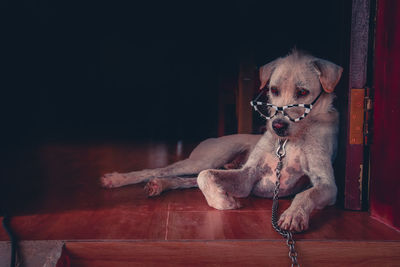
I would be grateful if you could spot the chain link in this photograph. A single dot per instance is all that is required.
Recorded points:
(280, 153)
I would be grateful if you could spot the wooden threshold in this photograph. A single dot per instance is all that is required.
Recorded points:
(232, 253)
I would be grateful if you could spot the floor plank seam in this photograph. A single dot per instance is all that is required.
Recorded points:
(167, 223)
(244, 241)
(224, 211)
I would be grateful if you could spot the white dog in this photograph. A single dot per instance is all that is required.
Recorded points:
(299, 88)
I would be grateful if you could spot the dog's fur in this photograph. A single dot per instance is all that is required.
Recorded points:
(250, 160)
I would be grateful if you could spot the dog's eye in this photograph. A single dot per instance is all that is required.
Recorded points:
(302, 92)
(274, 91)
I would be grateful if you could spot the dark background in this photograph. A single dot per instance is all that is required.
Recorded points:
(128, 71)
(150, 69)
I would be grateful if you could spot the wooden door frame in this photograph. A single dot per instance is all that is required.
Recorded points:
(357, 158)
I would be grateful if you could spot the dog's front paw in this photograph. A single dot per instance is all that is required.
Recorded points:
(154, 187)
(294, 220)
(111, 180)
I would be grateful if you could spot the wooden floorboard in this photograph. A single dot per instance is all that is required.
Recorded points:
(169, 218)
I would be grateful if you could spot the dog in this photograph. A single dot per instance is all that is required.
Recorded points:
(300, 110)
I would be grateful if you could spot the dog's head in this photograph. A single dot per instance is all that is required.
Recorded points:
(298, 79)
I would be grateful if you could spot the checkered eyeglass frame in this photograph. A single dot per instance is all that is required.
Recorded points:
(307, 108)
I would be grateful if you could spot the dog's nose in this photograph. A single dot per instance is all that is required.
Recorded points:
(280, 127)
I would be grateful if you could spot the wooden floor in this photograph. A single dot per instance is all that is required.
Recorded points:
(72, 205)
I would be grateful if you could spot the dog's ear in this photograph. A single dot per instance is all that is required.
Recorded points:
(329, 74)
(266, 72)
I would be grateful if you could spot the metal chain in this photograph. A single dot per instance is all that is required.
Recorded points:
(280, 153)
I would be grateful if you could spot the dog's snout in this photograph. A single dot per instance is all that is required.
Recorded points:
(280, 127)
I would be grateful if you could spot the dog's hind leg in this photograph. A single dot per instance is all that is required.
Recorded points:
(185, 167)
(157, 185)
(210, 154)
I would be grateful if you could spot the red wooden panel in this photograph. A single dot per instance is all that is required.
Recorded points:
(385, 167)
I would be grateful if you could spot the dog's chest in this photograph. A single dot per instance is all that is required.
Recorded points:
(292, 178)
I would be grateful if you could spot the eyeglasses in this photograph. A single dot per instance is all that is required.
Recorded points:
(295, 112)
